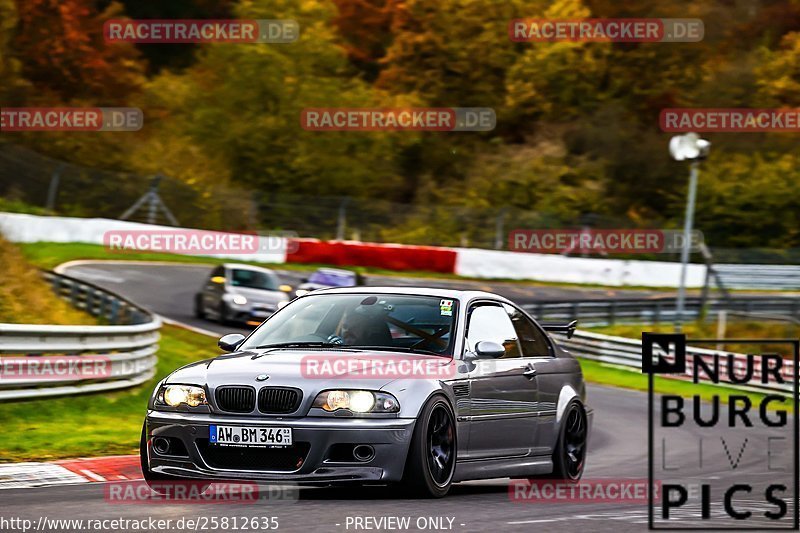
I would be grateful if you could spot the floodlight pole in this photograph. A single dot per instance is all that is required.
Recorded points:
(687, 244)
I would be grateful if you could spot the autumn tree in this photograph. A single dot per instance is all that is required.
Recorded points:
(365, 26)
(238, 108)
(779, 76)
(12, 87)
(61, 47)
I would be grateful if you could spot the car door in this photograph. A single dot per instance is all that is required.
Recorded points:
(502, 394)
(539, 358)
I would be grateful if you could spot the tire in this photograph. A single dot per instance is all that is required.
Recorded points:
(569, 457)
(199, 312)
(431, 458)
(160, 483)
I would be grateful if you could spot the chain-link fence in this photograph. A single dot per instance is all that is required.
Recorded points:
(73, 190)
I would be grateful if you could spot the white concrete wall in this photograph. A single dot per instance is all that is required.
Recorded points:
(556, 268)
(470, 262)
(32, 228)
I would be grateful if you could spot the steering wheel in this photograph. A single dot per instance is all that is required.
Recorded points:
(335, 339)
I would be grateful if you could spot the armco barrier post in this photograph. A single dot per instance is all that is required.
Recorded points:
(114, 316)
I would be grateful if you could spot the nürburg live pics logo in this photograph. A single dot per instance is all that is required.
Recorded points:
(722, 432)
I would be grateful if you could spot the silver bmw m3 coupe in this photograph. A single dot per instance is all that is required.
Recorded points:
(417, 387)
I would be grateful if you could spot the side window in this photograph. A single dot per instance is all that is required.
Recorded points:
(492, 323)
(531, 338)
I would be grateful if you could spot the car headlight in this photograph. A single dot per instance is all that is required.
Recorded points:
(239, 299)
(174, 395)
(358, 401)
(281, 305)
(300, 292)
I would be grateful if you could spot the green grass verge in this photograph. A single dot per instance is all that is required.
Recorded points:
(93, 424)
(621, 377)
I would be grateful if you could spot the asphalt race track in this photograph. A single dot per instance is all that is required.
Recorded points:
(617, 450)
(168, 289)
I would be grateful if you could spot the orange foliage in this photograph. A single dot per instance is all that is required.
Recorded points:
(61, 46)
(365, 27)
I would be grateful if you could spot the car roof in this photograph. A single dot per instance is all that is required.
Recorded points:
(452, 294)
(241, 266)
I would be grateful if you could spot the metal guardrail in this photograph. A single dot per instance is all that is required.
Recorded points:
(124, 353)
(97, 301)
(626, 352)
(655, 310)
(765, 277)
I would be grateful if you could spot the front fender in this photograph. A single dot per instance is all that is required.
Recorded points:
(413, 394)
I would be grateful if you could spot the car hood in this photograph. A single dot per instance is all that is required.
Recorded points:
(260, 295)
(310, 370)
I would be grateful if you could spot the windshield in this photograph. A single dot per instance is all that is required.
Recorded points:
(375, 321)
(253, 279)
(333, 279)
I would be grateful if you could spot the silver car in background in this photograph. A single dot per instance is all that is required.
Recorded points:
(395, 385)
(242, 294)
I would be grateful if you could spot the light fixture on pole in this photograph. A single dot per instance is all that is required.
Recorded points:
(689, 147)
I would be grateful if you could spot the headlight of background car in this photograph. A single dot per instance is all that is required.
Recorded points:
(174, 395)
(358, 401)
(239, 299)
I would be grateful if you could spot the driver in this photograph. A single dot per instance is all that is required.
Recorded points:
(363, 329)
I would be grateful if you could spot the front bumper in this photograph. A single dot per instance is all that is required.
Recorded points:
(251, 312)
(316, 439)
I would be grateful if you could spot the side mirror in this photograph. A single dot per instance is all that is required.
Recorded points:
(489, 349)
(230, 342)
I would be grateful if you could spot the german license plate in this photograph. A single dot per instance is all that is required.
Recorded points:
(249, 436)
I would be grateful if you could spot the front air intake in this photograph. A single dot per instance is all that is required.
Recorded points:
(239, 399)
(279, 400)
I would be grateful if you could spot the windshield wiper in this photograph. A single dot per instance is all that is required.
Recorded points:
(397, 349)
(297, 344)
